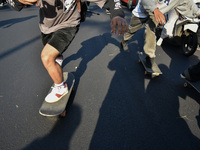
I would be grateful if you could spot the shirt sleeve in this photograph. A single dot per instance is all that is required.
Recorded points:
(188, 9)
(149, 5)
(113, 6)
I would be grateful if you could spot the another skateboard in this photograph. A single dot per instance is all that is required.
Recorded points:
(195, 85)
(154, 71)
(58, 108)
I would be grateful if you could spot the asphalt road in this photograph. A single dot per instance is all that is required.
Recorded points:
(115, 106)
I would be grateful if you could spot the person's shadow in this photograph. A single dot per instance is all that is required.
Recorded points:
(62, 132)
(177, 65)
(90, 49)
(140, 113)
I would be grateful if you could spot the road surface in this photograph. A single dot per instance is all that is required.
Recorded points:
(115, 106)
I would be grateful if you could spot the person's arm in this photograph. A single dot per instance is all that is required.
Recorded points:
(28, 2)
(19, 4)
(117, 16)
(188, 8)
(149, 5)
(160, 18)
(152, 9)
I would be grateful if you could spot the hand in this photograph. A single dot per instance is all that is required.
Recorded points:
(121, 23)
(160, 18)
(28, 2)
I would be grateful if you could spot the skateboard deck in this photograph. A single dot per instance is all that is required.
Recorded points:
(58, 108)
(195, 85)
(155, 71)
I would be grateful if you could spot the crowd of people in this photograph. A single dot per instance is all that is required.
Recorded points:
(59, 23)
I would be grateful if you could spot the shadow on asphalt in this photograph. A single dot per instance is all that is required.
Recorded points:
(141, 113)
(17, 48)
(8, 23)
(61, 134)
(137, 113)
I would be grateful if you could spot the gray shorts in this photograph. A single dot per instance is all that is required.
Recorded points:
(60, 39)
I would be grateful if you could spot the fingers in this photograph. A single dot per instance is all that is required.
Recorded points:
(160, 18)
(37, 3)
(28, 2)
(124, 28)
(120, 23)
(113, 26)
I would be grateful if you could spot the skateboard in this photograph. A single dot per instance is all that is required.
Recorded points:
(58, 108)
(154, 71)
(195, 85)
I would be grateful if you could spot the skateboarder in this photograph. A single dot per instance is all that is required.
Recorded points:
(151, 13)
(59, 23)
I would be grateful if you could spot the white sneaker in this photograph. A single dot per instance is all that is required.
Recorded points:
(159, 42)
(56, 93)
(59, 60)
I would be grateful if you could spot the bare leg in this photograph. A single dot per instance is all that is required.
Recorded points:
(48, 56)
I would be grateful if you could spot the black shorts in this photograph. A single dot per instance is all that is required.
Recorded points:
(61, 38)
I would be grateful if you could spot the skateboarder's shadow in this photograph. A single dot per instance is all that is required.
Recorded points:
(90, 49)
(177, 65)
(61, 134)
(122, 122)
(140, 113)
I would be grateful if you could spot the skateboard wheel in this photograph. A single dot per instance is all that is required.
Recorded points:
(63, 113)
(139, 61)
(145, 72)
(155, 75)
(185, 84)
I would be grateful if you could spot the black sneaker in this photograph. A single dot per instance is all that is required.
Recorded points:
(192, 73)
(150, 62)
(124, 45)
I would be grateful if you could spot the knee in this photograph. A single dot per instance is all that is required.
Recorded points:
(48, 55)
(45, 59)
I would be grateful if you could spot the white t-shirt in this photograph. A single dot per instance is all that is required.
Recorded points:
(139, 10)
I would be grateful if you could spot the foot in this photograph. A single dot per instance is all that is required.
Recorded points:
(59, 60)
(192, 73)
(150, 62)
(185, 75)
(159, 42)
(124, 45)
(56, 93)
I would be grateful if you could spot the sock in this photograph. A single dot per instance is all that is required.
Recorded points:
(59, 85)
